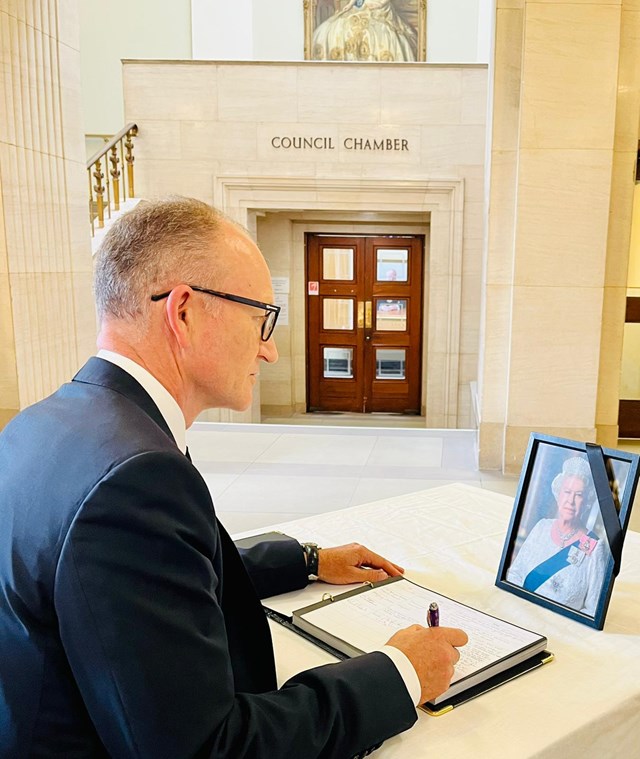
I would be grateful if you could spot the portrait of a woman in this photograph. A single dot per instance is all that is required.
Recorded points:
(561, 558)
(365, 30)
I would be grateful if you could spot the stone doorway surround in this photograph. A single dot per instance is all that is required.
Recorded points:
(439, 201)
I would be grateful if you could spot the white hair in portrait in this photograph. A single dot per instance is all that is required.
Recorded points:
(576, 466)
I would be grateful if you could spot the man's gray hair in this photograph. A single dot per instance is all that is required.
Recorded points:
(575, 466)
(152, 248)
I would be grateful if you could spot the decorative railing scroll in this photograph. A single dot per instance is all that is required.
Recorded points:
(109, 185)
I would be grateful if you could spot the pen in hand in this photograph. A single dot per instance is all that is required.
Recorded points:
(433, 615)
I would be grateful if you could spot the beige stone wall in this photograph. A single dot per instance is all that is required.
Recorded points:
(206, 131)
(565, 122)
(47, 322)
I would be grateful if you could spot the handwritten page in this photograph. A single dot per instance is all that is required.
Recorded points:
(369, 619)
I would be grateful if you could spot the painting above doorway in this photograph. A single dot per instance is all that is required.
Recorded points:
(365, 30)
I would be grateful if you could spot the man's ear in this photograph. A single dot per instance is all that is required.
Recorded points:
(179, 315)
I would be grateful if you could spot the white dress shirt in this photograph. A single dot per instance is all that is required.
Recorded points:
(175, 420)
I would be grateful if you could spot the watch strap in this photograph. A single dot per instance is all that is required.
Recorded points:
(311, 554)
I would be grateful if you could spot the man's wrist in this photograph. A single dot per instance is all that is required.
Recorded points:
(311, 551)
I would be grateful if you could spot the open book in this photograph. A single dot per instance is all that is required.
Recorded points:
(364, 619)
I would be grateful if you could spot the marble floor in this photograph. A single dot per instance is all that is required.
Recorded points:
(267, 473)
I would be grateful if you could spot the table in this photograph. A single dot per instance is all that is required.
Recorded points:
(584, 704)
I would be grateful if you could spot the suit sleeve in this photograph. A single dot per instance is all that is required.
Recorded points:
(136, 595)
(275, 566)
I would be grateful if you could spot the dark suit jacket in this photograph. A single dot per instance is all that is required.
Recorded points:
(129, 626)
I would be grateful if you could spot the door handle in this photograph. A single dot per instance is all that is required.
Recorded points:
(367, 315)
(360, 314)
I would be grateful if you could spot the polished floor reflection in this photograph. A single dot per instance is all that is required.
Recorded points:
(263, 474)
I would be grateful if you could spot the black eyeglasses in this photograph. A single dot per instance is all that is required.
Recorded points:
(270, 318)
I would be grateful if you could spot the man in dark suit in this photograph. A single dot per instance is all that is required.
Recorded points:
(130, 626)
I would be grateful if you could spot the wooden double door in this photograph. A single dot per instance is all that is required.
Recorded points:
(364, 323)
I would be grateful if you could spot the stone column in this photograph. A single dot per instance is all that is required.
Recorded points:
(47, 317)
(565, 130)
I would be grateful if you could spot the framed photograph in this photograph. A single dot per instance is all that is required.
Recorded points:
(365, 30)
(570, 515)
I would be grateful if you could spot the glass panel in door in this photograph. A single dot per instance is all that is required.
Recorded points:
(337, 263)
(390, 363)
(392, 265)
(391, 315)
(338, 363)
(337, 313)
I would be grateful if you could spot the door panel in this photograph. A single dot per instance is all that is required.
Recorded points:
(364, 325)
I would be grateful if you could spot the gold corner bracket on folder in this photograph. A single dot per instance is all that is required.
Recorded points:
(436, 712)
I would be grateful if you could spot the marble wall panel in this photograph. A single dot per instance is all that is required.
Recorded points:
(502, 210)
(9, 396)
(7, 124)
(569, 75)
(423, 96)
(562, 217)
(452, 145)
(68, 23)
(490, 445)
(176, 92)
(473, 220)
(613, 316)
(275, 388)
(474, 97)
(203, 140)
(620, 218)
(190, 178)
(4, 261)
(553, 375)
(494, 388)
(85, 318)
(331, 94)
(71, 103)
(160, 139)
(628, 101)
(507, 78)
(579, 2)
(43, 312)
(257, 93)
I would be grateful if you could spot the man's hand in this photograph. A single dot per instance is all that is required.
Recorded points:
(354, 563)
(433, 652)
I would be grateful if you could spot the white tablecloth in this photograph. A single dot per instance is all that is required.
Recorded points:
(584, 704)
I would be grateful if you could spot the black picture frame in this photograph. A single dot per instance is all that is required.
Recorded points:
(554, 490)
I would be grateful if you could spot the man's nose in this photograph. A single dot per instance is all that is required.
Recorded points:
(269, 351)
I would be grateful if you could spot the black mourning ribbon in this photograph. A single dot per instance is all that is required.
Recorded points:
(605, 500)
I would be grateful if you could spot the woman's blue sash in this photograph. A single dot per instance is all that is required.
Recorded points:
(550, 566)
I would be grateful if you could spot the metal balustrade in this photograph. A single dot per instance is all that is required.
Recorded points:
(112, 186)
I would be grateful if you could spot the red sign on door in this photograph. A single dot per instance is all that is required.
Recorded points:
(313, 288)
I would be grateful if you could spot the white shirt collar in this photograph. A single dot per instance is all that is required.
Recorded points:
(163, 399)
